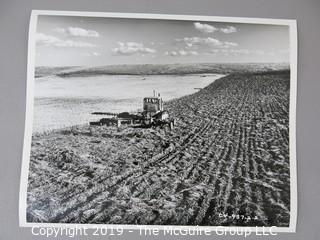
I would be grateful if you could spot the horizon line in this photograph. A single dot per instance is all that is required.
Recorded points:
(136, 64)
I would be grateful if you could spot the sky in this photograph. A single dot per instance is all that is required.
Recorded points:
(97, 41)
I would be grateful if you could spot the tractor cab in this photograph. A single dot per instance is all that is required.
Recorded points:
(153, 110)
(152, 105)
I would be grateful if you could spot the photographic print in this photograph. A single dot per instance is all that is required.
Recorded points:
(160, 120)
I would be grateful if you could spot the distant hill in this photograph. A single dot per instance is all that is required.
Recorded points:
(47, 71)
(158, 69)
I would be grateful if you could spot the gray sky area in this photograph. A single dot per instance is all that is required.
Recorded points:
(93, 41)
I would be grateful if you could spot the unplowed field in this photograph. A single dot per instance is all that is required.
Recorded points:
(225, 163)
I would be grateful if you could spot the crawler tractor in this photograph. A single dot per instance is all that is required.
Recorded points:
(153, 115)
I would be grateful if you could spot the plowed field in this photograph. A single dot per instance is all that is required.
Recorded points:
(225, 163)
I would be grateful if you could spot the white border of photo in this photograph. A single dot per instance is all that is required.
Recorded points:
(29, 115)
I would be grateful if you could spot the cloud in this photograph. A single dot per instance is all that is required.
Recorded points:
(171, 53)
(181, 53)
(152, 43)
(77, 32)
(92, 54)
(228, 29)
(204, 28)
(48, 40)
(130, 48)
(237, 52)
(195, 42)
(230, 44)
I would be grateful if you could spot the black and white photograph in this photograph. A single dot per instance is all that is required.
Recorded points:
(160, 120)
